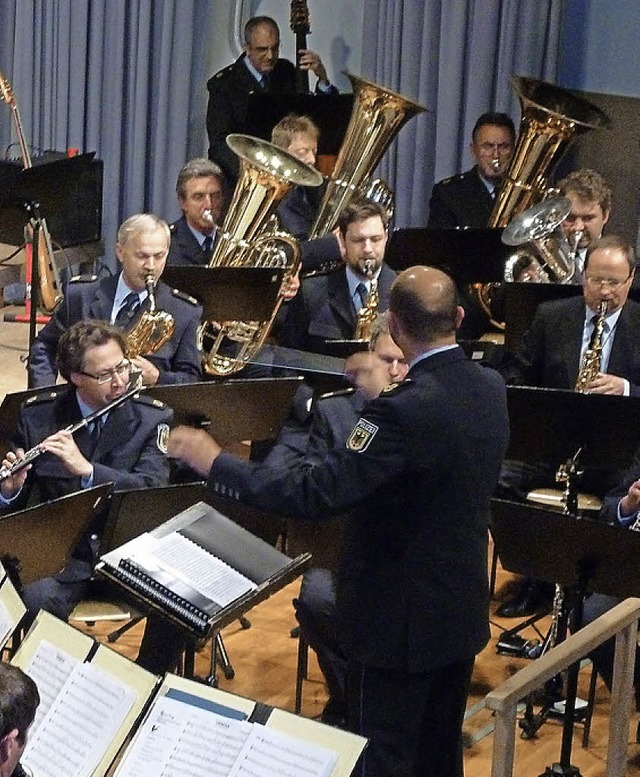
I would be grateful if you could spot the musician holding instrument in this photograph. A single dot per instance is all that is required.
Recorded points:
(95, 430)
(142, 248)
(417, 473)
(328, 305)
(467, 199)
(258, 68)
(200, 188)
(19, 700)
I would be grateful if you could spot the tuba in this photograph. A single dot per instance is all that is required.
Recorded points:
(552, 118)
(248, 238)
(378, 114)
(153, 329)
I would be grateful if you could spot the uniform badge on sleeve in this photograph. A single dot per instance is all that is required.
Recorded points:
(163, 437)
(360, 438)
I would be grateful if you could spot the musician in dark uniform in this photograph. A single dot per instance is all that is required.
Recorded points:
(19, 699)
(466, 200)
(126, 447)
(142, 248)
(327, 305)
(417, 472)
(259, 68)
(200, 189)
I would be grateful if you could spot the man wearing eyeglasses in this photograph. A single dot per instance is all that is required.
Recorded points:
(199, 188)
(125, 446)
(550, 355)
(142, 248)
(466, 200)
(259, 68)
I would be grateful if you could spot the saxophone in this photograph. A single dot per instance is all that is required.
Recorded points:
(153, 329)
(591, 361)
(367, 314)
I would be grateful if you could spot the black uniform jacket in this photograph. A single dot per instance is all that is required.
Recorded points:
(460, 201)
(322, 310)
(549, 353)
(178, 360)
(418, 470)
(185, 251)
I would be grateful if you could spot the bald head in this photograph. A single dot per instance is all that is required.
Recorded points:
(424, 303)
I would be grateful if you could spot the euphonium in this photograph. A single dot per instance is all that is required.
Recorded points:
(378, 114)
(249, 239)
(592, 359)
(153, 329)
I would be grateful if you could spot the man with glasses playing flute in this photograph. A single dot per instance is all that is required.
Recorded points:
(124, 445)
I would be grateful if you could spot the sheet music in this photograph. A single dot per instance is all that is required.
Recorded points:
(180, 739)
(269, 752)
(79, 725)
(50, 668)
(185, 736)
(189, 562)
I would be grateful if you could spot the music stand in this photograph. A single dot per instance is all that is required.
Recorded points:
(582, 555)
(43, 537)
(251, 409)
(467, 255)
(34, 194)
(521, 303)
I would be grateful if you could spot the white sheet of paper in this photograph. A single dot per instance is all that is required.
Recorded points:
(5, 625)
(50, 668)
(80, 724)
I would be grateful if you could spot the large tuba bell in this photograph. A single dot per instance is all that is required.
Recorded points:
(552, 118)
(378, 114)
(248, 238)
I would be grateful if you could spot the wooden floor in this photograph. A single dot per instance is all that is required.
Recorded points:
(264, 657)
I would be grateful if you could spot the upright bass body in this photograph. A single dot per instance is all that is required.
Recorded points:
(248, 238)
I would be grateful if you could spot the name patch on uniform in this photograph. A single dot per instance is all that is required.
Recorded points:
(360, 438)
(163, 437)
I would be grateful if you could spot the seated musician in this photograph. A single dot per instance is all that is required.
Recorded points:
(19, 699)
(199, 187)
(552, 352)
(327, 305)
(125, 447)
(142, 247)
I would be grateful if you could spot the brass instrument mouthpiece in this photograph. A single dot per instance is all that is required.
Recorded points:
(369, 268)
(576, 237)
(497, 166)
(207, 215)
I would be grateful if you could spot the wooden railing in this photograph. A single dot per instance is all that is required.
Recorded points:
(620, 622)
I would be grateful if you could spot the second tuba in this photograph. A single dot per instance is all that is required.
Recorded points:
(378, 114)
(249, 238)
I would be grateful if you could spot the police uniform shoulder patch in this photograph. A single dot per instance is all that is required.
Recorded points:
(362, 434)
(162, 437)
(83, 278)
(185, 297)
(395, 386)
(149, 401)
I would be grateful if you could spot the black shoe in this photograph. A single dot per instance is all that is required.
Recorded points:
(530, 599)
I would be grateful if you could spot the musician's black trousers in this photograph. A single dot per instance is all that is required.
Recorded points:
(413, 720)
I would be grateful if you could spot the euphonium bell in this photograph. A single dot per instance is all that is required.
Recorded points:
(248, 238)
(378, 114)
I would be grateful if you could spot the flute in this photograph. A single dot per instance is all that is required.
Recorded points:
(37, 450)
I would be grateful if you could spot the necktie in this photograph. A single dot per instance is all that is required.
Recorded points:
(265, 82)
(94, 429)
(127, 310)
(207, 244)
(363, 294)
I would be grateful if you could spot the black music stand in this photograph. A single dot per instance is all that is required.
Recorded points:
(251, 409)
(521, 303)
(582, 556)
(467, 255)
(42, 538)
(34, 194)
(229, 293)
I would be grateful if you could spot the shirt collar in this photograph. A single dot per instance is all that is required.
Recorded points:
(199, 236)
(354, 280)
(255, 73)
(610, 318)
(122, 291)
(433, 352)
(85, 410)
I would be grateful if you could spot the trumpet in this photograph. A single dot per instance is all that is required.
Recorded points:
(37, 450)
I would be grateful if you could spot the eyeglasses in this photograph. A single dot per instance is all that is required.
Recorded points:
(499, 147)
(120, 370)
(612, 283)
